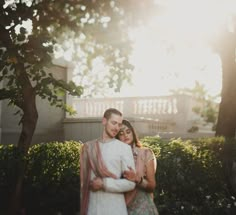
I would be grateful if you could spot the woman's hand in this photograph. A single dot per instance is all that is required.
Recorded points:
(131, 175)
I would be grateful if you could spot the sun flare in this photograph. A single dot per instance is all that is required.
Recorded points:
(172, 50)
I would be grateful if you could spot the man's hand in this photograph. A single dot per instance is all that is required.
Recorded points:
(96, 184)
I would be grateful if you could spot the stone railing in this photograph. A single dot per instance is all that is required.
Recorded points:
(165, 109)
(144, 107)
(163, 115)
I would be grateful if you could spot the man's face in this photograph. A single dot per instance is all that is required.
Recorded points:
(112, 125)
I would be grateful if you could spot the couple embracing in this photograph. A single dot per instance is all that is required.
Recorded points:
(117, 173)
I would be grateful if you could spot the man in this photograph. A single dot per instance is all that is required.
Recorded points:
(102, 164)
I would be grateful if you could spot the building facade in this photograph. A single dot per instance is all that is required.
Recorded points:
(165, 116)
(50, 121)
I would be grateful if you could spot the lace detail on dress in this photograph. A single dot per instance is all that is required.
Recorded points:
(142, 205)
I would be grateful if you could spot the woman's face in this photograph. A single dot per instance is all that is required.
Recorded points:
(126, 135)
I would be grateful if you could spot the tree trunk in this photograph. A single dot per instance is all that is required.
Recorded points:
(226, 123)
(29, 121)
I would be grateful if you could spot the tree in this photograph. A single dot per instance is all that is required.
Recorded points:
(98, 68)
(225, 46)
(26, 52)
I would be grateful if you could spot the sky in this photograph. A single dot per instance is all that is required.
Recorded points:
(172, 50)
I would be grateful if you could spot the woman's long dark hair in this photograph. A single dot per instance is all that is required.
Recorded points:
(135, 136)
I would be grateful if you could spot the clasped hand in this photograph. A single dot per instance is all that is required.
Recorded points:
(96, 184)
(130, 174)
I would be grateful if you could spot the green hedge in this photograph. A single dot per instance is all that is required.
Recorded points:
(52, 179)
(9, 158)
(194, 177)
(191, 176)
(52, 182)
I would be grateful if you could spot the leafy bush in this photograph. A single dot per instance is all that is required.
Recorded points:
(191, 177)
(9, 159)
(52, 178)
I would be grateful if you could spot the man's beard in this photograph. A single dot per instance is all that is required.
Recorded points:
(110, 134)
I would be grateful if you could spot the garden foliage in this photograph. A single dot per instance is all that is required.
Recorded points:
(193, 176)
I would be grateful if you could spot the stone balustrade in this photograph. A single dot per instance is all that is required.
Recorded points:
(147, 107)
(167, 116)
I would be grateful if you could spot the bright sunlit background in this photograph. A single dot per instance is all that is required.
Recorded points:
(172, 50)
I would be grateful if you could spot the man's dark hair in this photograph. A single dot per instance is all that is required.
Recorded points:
(108, 112)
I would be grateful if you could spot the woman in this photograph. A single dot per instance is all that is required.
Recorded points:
(140, 200)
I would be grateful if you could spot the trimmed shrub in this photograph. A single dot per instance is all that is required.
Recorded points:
(196, 177)
(52, 182)
(10, 157)
(191, 177)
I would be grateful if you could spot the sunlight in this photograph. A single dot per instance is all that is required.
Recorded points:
(172, 51)
(193, 19)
